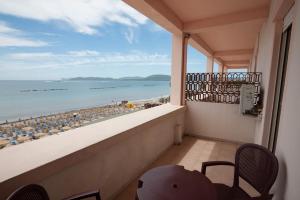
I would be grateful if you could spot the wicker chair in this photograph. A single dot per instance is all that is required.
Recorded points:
(37, 192)
(253, 163)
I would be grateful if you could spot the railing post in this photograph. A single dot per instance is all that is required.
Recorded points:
(178, 71)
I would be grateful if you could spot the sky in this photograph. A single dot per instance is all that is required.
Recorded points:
(50, 40)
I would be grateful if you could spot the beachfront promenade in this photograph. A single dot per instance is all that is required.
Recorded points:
(13, 133)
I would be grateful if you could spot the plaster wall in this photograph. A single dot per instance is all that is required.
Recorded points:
(108, 165)
(288, 142)
(264, 65)
(219, 121)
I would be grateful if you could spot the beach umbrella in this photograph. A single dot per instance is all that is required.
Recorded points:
(54, 131)
(28, 128)
(21, 139)
(39, 135)
(3, 143)
(66, 128)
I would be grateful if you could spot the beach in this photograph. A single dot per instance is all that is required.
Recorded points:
(26, 130)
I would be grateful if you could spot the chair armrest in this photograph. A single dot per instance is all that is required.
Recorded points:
(214, 163)
(95, 194)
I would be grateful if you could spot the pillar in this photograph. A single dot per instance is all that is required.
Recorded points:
(220, 68)
(178, 68)
(210, 64)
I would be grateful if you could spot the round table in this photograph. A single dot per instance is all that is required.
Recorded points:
(173, 182)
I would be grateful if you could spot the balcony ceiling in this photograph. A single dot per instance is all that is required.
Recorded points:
(232, 37)
(191, 10)
(225, 29)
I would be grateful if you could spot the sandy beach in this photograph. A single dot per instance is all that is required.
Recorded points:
(25, 130)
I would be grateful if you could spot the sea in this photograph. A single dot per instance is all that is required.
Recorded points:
(25, 99)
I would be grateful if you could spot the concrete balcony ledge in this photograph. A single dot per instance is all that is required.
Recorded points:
(41, 159)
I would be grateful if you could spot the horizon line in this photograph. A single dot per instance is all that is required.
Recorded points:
(64, 78)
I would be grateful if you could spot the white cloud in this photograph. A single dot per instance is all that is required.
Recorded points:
(12, 41)
(31, 56)
(82, 15)
(86, 58)
(129, 36)
(11, 37)
(4, 28)
(83, 53)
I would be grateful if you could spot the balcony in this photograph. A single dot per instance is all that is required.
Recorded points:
(106, 155)
(190, 154)
(112, 154)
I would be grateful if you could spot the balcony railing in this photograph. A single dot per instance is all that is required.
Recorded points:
(221, 87)
(92, 155)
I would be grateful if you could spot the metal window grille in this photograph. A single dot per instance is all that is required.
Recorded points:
(220, 87)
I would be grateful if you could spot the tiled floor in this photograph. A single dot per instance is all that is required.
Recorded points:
(191, 153)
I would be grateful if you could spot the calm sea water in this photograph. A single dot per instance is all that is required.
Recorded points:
(23, 99)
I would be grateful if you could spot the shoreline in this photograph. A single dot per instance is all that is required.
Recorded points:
(26, 130)
(18, 119)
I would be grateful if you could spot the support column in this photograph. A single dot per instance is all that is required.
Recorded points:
(221, 68)
(210, 64)
(178, 71)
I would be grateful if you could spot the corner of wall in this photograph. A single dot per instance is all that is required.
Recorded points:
(268, 51)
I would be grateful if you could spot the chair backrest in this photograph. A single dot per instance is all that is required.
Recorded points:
(29, 192)
(257, 166)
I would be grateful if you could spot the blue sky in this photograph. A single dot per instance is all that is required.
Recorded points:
(45, 40)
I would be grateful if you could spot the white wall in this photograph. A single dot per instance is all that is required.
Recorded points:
(220, 121)
(264, 64)
(288, 143)
(115, 167)
(267, 50)
(110, 164)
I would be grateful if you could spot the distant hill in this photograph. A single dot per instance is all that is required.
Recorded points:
(89, 79)
(131, 78)
(156, 77)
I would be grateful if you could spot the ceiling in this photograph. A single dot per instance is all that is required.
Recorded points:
(233, 36)
(190, 10)
(227, 29)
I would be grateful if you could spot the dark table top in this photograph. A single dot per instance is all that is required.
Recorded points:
(173, 182)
